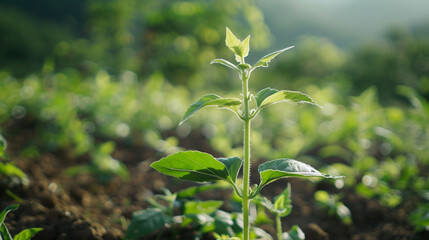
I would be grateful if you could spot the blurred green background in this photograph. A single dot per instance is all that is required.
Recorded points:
(78, 73)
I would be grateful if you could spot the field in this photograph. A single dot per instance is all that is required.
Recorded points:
(86, 109)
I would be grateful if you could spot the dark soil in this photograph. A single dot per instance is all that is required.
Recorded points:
(83, 209)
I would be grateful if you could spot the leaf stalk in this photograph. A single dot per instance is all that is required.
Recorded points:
(279, 227)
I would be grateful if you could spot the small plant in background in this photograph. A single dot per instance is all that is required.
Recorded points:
(203, 167)
(333, 204)
(103, 166)
(420, 217)
(179, 211)
(282, 207)
(10, 175)
(23, 235)
(3, 146)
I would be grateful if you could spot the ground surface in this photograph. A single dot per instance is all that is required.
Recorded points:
(81, 208)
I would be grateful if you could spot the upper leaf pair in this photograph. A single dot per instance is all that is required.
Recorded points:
(241, 50)
(268, 96)
(263, 98)
(212, 100)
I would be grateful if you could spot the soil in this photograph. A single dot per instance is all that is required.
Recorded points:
(80, 208)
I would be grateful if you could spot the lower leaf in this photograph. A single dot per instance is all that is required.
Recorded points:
(199, 167)
(281, 168)
(146, 222)
(27, 234)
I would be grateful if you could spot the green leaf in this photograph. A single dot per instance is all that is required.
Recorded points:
(225, 63)
(224, 237)
(80, 169)
(233, 165)
(263, 94)
(263, 62)
(269, 96)
(244, 47)
(243, 66)
(212, 100)
(295, 233)
(196, 166)
(283, 202)
(231, 40)
(261, 216)
(265, 202)
(419, 217)
(202, 221)
(198, 207)
(223, 222)
(105, 167)
(415, 99)
(259, 233)
(278, 204)
(323, 197)
(27, 234)
(281, 168)
(3, 146)
(168, 197)
(343, 213)
(332, 203)
(146, 222)
(238, 47)
(5, 211)
(106, 148)
(9, 170)
(4, 233)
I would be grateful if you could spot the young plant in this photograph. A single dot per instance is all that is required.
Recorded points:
(181, 210)
(281, 207)
(10, 174)
(3, 145)
(23, 235)
(203, 167)
(334, 206)
(103, 166)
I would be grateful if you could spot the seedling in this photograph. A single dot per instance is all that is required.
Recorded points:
(23, 235)
(3, 146)
(281, 207)
(203, 167)
(173, 210)
(9, 173)
(103, 166)
(334, 206)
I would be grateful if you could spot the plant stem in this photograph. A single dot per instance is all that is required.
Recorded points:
(279, 227)
(246, 167)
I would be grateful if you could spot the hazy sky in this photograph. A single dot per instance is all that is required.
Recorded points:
(345, 22)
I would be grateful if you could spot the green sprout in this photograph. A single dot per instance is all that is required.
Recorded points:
(203, 167)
